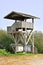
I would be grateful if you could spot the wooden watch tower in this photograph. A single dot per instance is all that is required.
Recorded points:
(21, 30)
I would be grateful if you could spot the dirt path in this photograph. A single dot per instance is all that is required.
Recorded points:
(21, 60)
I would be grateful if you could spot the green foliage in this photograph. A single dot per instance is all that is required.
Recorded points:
(5, 40)
(26, 54)
(39, 41)
(3, 52)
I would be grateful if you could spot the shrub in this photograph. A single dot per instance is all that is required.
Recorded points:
(5, 40)
(39, 41)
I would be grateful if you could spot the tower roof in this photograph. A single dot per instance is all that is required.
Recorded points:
(19, 16)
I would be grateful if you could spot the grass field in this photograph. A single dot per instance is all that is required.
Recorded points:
(5, 53)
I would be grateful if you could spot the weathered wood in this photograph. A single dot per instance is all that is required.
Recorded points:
(18, 25)
(29, 37)
(21, 26)
(33, 37)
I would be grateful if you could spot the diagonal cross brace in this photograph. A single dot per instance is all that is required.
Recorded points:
(29, 37)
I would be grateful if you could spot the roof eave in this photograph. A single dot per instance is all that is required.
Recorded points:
(26, 16)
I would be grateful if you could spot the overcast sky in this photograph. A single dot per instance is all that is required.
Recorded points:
(34, 7)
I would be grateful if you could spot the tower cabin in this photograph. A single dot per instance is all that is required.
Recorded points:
(22, 31)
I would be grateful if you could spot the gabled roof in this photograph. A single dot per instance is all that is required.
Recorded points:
(19, 16)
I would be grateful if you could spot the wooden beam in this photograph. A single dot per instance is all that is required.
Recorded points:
(33, 36)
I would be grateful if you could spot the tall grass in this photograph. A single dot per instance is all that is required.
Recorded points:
(3, 52)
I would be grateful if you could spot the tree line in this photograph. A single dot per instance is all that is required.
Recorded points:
(7, 39)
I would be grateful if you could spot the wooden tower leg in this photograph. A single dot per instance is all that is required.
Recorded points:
(33, 43)
(25, 41)
(33, 37)
(15, 40)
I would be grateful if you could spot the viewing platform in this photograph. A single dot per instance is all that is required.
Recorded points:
(20, 26)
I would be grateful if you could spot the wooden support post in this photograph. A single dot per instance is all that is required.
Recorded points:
(24, 46)
(33, 36)
(23, 37)
(15, 44)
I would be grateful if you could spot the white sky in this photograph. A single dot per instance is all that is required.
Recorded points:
(34, 7)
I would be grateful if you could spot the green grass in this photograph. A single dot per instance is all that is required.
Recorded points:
(22, 54)
(5, 53)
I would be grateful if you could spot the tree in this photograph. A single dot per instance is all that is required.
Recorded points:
(5, 40)
(39, 41)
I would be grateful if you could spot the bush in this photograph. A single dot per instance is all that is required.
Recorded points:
(3, 52)
(5, 40)
(39, 41)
